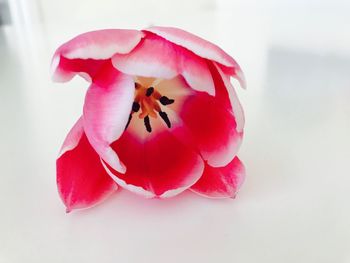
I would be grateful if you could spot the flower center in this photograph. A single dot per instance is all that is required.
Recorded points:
(147, 99)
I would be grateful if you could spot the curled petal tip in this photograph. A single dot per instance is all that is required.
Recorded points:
(241, 79)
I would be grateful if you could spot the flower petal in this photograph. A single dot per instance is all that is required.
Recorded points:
(197, 45)
(195, 71)
(221, 182)
(107, 107)
(202, 48)
(82, 182)
(158, 58)
(84, 53)
(154, 57)
(101, 44)
(160, 166)
(235, 72)
(73, 137)
(226, 90)
(64, 69)
(213, 128)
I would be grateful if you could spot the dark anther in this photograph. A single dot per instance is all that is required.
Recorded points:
(135, 106)
(130, 116)
(147, 124)
(149, 91)
(165, 118)
(165, 100)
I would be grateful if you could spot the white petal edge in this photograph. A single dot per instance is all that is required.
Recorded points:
(73, 137)
(132, 188)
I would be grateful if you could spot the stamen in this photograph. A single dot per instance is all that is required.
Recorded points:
(165, 100)
(149, 91)
(130, 116)
(148, 102)
(147, 124)
(135, 106)
(165, 118)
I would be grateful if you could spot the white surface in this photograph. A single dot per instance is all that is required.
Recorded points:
(294, 205)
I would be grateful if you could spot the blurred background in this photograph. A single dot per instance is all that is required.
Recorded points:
(294, 205)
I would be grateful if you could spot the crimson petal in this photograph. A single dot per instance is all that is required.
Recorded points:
(160, 166)
(213, 128)
(235, 104)
(81, 179)
(221, 182)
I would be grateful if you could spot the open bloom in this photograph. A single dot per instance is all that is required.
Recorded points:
(160, 116)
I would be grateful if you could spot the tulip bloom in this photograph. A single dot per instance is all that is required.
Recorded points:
(160, 116)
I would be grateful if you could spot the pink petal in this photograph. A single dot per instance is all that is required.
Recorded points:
(79, 55)
(220, 182)
(152, 58)
(160, 166)
(195, 71)
(194, 43)
(213, 128)
(226, 90)
(106, 111)
(82, 182)
(101, 44)
(73, 137)
(158, 58)
(235, 72)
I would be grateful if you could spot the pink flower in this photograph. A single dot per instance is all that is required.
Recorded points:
(160, 116)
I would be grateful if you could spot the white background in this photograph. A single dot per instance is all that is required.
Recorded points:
(294, 205)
